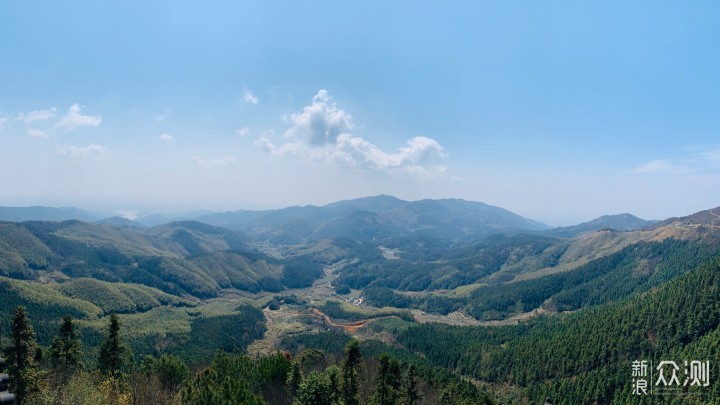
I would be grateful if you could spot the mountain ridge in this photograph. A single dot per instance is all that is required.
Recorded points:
(705, 217)
(42, 213)
(376, 217)
(617, 222)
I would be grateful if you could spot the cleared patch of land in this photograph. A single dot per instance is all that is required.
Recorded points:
(390, 254)
(279, 323)
(453, 318)
(295, 319)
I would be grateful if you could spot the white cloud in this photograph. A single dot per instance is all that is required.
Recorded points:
(321, 122)
(91, 150)
(162, 117)
(284, 150)
(242, 132)
(696, 161)
(74, 119)
(321, 132)
(128, 214)
(37, 133)
(417, 151)
(165, 137)
(38, 115)
(249, 97)
(265, 144)
(661, 167)
(219, 161)
(3, 120)
(710, 156)
(416, 157)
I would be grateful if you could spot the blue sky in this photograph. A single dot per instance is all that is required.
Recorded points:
(559, 111)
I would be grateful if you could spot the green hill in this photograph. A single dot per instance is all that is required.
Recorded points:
(586, 357)
(180, 258)
(21, 252)
(117, 297)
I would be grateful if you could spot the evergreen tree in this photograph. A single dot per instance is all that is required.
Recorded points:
(147, 364)
(350, 372)
(386, 381)
(217, 387)
(24, 375)
(171, 371)
(115, 356)
(228, 380)
(333, 375)
(410, 395)
(65, 350)
(294, 379)
(315, 389)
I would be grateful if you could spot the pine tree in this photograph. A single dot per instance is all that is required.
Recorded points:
(115, 356)
(315, 389)
(385, 381)
(24, 376)
(410, 395)
(294, 379)
(215, 387)
(171, 371)
(65, 350)
(333, 375)
(350, 372)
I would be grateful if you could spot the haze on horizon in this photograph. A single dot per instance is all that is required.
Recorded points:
(558, 112)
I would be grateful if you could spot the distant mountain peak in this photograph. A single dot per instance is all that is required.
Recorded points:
(618, 222)
(121, 222)
(617, 217)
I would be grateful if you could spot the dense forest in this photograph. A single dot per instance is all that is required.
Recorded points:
(60, 373)
(180, 258)
(192, 313)
(634, 269)
(586, 357)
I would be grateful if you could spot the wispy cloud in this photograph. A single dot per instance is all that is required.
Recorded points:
(321, 131)
(3, 120)
(37, 133)
(242, 132)
(162, 117)
(74, 119)
(38, 115)
(219, 161)
(165, 137)
(91, 150)
(249, 97)
(711, 156)
(128, 214)
(662, 167)
(696, 160)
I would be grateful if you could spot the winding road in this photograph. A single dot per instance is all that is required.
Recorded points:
(715, 215)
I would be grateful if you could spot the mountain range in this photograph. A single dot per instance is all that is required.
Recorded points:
(406, 272)
(434, 245)
(38, 213)
(370, 217)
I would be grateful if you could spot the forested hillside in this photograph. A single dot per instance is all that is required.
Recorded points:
(187, 258)
(586, 357)
(505, 317)
(633, 269)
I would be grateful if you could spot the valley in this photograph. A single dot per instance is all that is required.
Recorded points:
(359, 203)
(397, 279)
